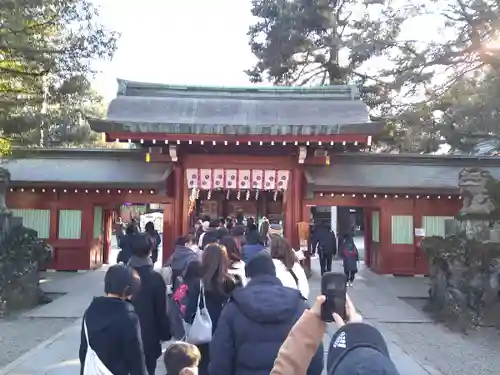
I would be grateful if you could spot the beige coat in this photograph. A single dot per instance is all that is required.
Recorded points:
(300, 346)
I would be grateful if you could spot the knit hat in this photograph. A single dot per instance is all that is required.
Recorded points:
(275, 229)
(260, 264)
(121, 280)
(360, 347)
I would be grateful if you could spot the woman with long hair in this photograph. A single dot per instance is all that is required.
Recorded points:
(155, 239)
(350, 258)
(288, 268)
(236, 264)
(217, 284)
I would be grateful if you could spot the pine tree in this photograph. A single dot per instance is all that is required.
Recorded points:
(46, 53)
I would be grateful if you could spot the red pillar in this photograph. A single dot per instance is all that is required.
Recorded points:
(178, 203)
(296, 205)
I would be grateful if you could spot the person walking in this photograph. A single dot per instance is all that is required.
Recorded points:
(211, 235)
(238, 233)
(288, 268)
(325, 245)
(236, 264)
(125, 245)
(182, 256)
(119, 230)
(264, 229)
(350, 258)
(150, 302)
(111, 327)
(254, 245)
(155, 239)
(216, 284)
(181, 358)
(255, 323)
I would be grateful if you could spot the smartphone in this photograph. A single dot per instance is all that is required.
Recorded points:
(333, 287)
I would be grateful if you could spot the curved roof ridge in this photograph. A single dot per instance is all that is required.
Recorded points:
(135, 88)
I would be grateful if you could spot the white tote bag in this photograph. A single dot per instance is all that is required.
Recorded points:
(93, 365)
(200, 332)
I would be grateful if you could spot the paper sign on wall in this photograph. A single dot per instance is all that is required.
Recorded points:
(419, 232)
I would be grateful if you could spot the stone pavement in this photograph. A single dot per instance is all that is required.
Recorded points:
(404, 326)
(59, 354)
(381, 300)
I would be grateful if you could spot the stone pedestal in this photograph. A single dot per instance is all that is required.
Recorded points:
(464, 281)
(21, 256)
(465, 265)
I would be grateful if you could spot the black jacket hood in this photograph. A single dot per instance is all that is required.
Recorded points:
(103, 312)
(266, 300)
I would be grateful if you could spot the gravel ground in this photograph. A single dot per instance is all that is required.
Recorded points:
(19, 335)
(477, 353)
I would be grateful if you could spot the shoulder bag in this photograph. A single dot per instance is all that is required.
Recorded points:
(200, 332)
(93, 365)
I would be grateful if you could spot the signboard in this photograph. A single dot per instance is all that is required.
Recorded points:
(419, 232)
(242, 179)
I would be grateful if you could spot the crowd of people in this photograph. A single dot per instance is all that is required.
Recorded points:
(126, 236)
(233, 298)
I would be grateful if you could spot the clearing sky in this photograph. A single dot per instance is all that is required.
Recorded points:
(178, 42)
(192, 42)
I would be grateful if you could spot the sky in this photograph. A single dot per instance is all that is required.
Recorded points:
(177, 41)
(200, 42)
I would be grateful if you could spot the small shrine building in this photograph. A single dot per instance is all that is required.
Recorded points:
(219, 151)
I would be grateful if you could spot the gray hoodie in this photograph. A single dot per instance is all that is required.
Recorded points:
(180, 259)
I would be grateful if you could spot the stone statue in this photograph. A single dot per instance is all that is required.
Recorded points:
(473, 188)
(22, 254)
(465, 266)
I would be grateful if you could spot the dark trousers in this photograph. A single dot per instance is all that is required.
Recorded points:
(350, 275)
(151, 364)
(205, 359)
(325, 262)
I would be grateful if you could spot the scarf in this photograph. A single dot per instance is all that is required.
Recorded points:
(136, 261)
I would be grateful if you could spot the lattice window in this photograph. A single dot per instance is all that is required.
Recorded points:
(402, 230)
(70, 224)
(38, 220)
(435, 225)
(376, 226)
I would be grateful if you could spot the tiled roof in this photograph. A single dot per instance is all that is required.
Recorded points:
(87, 169)
(154, 108)
(397, 173)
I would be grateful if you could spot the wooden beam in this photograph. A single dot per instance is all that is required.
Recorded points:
(231, 138)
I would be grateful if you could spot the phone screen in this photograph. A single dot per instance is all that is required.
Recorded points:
(333, 287)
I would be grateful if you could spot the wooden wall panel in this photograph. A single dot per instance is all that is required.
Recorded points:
(431, 207)
(86, 252)
(169, 234)
(396, 258)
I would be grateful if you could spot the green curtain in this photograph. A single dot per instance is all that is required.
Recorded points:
(402, 230)
(98, 221)
(38, 220)
(376, 226)
(70, 224)
(434, 225)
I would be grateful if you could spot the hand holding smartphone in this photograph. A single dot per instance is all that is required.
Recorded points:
(334, 288)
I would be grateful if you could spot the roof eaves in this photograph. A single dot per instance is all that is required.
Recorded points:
(99, 153)
(382, 189)
(416, 159)
(109, 126)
